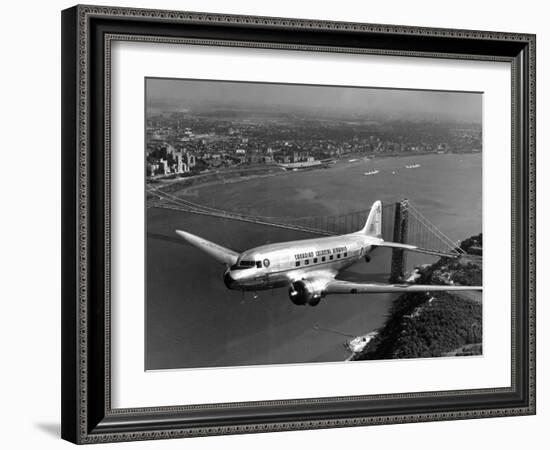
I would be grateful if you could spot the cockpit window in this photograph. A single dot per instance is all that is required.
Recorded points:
(245, 265)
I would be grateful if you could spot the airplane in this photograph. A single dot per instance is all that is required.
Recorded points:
(309, 267)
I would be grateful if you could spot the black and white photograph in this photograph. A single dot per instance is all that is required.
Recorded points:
(275, 225)
(300, 223)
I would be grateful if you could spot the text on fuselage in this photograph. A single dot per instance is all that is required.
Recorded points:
(324, 252)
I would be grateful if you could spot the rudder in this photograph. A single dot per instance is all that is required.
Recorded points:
(373, 225)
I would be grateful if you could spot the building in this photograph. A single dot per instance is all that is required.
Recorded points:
(190, 161)
(163, 167)
(170, 150)
(152, 169)
(181, 167)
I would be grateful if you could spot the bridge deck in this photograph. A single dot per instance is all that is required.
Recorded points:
(420, 231)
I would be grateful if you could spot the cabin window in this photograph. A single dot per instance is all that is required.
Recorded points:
(306, 262)
(331, 257)
(297, 263)
(314, 260)
(259, 264)
(323, 259)
(345, 255)
(338, 255)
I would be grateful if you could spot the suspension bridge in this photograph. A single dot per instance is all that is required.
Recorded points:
(401, 222)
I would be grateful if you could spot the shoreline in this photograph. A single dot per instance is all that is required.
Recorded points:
(408, 309)
(186, 185)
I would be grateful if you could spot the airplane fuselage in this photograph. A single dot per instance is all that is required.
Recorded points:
(275, 265)
(309, 268)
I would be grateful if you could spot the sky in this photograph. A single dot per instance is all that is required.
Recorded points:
(180, 94)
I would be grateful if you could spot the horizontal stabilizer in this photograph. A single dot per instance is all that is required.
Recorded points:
(219, 253)
(396, 245)
(413, 248)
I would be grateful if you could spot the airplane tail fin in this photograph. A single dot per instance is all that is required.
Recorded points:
(373, 225)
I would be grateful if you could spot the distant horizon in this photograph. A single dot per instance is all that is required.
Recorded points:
(175, 95)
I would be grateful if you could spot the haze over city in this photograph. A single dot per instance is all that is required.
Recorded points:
(172, 95)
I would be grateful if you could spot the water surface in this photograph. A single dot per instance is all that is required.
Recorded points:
(192, 320)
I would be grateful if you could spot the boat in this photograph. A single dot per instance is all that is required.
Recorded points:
(372, 172)
(353, 160)
(359, 343)
(412, 166)
(301, 165)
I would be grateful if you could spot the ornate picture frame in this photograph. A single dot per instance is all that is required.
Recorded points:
(88, 33)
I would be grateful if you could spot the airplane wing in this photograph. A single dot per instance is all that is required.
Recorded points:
(345, 287)
(311, 287)
(219, 253)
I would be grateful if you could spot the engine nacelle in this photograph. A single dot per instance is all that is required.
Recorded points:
(304, 292)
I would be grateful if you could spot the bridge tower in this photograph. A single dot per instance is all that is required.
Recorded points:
(400, 228)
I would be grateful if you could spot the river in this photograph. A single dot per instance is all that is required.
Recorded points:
(193, 321)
